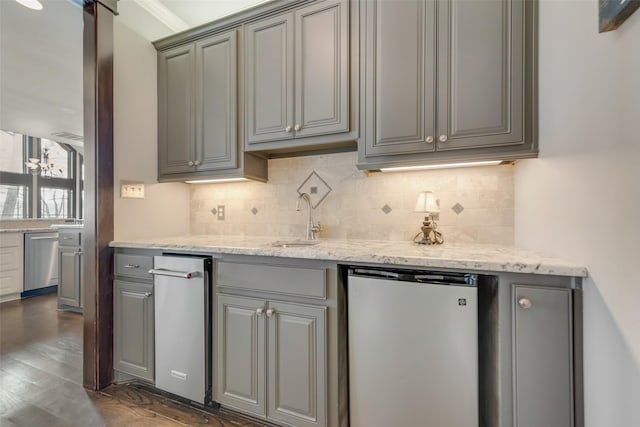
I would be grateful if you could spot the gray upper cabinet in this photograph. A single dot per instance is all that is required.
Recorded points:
(197, 112)
(269, 79)
(176, 110)
(297, 78)
(216, 95)
(542, 357)
(461, 87)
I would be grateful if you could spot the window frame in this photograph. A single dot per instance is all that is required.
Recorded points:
(32, 148)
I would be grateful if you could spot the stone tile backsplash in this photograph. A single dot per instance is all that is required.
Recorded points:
(476, 204)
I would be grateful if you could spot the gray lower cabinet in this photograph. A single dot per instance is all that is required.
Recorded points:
(70, 266)
(277, 352)
(133, 344)
(197, 112)
(297, 78)
(290, 388)
(460, 88)
(542, 357)
(133, 316)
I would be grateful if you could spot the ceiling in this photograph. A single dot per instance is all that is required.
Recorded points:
(41, 56)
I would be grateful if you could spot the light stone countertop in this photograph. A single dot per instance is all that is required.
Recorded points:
(27, 230)
(492, 258)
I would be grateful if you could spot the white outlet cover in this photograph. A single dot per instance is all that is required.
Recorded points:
(131, 190)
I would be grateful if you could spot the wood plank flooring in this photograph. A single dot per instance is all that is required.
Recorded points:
(41, 379)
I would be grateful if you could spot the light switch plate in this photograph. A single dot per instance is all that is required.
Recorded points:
(131, 190)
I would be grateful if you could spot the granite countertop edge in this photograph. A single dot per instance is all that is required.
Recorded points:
(477, 257)
(27, 230)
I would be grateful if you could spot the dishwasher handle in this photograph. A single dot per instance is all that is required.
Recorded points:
(173, 273)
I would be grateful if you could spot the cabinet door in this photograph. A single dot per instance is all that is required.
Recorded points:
(400, 76)
(240, 343)
(176, 110)
(481, 80)
(11, 264)
(69, 274)
(269, 79)
(542, 355)
(217, 91)
(133, 340)
(322, 69)
(297, 364)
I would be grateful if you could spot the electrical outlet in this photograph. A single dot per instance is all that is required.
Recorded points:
(221, 212)
(131, 190)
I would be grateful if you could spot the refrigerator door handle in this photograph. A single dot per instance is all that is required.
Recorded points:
(173, 273)
(376, 273)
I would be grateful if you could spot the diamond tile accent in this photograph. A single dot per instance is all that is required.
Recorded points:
(316, 187)
(386, 209)
(457, 208)
(254, 210)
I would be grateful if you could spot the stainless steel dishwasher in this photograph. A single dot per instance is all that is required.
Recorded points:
(183, 317)
(40, 263)
(413, 348)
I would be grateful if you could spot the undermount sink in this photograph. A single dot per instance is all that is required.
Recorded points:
(291, 243)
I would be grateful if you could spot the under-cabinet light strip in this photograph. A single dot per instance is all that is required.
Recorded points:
(442, 166)
(221, 180)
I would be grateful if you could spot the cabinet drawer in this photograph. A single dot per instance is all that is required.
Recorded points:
(134, 265)
(69, 237)
(307, 282)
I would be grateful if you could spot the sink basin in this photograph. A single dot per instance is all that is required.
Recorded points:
(292, 243)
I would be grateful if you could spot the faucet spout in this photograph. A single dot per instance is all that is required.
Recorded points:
(312, 229)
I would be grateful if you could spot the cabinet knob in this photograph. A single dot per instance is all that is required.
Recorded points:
(524, 303)
(131, 266)
(429, 140)
(270, 312)
(443, 138)
(147, 294)
(78, 253)
(297, 127)
(287, 129)
(190, 163)
(259, 311)
(197, 163)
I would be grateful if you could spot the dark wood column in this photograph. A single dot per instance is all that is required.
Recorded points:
(98, 230)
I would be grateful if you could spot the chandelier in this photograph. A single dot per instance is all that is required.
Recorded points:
(43, 166)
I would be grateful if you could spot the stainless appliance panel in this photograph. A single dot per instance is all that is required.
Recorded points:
(40, 260)
(181, 326)
(413, 353)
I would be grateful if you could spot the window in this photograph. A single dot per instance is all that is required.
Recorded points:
(13, 199)
(11, 152)
(55, 202)
(38, 178)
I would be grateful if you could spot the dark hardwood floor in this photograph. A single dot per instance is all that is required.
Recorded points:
(41, 379)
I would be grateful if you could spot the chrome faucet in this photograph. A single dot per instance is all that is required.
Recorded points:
(312, 229)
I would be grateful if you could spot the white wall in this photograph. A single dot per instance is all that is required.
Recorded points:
(165, 209)
(581, 199)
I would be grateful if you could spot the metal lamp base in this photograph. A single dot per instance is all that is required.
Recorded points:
(430, 236)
